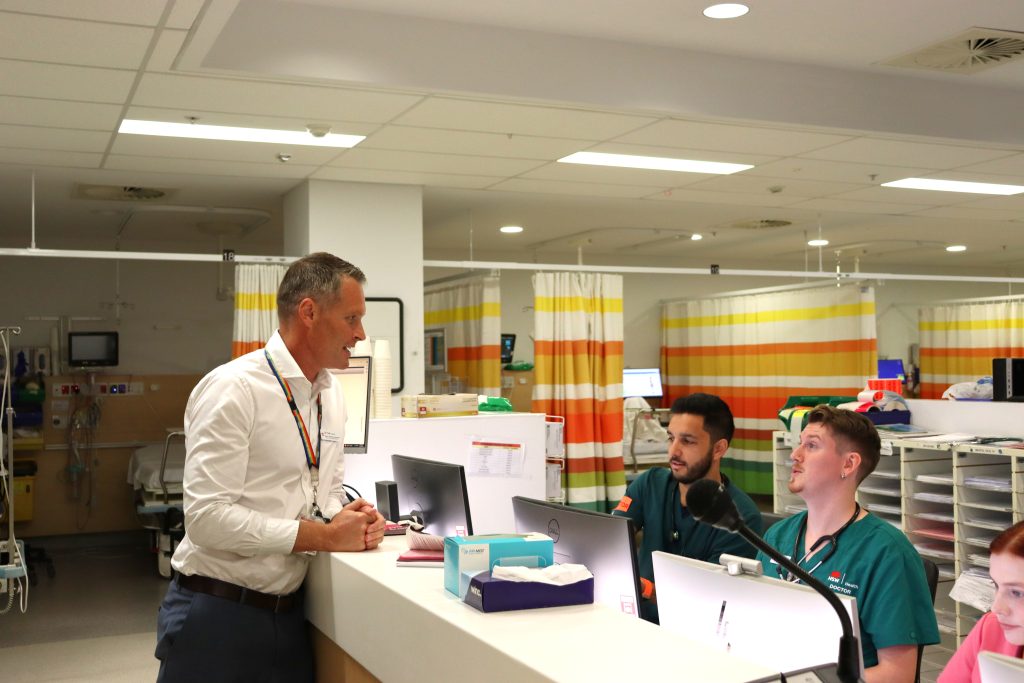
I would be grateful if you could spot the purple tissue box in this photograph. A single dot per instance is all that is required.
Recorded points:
(488, 594)
(889, 417)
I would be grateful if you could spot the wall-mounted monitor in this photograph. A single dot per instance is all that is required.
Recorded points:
(355, 386)
(642, 382)
(92, 349)
(434, 493)
(508, 347)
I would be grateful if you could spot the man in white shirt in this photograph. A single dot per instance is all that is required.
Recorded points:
(263, 489)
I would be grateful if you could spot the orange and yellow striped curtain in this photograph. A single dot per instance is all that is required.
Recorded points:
(578, 375)
(756, 350)
(255, 305)
(470, 315)
(959, 341)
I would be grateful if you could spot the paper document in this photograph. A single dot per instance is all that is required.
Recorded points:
(974, 588)
(496, 458)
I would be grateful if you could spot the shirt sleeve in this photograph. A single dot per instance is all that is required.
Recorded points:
(219, 420)
(960, 667)
(632, 504)
(896, 605)
(336, 495)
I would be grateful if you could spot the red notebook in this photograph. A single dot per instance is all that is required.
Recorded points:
(421, 558)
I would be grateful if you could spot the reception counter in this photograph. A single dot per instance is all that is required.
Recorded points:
(374, 620)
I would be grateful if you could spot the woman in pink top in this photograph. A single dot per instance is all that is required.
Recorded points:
(1002, 629)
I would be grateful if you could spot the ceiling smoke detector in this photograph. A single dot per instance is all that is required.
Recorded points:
(761, 224)
(973, 50)
(126, 193)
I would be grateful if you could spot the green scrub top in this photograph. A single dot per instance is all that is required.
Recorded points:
(875, 563)
(654, 506)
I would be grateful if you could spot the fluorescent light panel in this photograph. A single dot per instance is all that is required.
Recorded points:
(817, 243)
(727, 10)
(235, 134)
(956, 247)
(653, 163)
(510, 229)
(954, 186)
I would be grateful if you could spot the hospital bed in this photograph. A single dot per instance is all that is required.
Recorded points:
(645, 440)
(155, 473)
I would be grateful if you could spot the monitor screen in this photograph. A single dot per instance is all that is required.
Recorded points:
(606, 544)
(643, 382)
(508, 347)
(355, 386)
(92, 349)
(433, 492)
(891, 369)
(702, 602)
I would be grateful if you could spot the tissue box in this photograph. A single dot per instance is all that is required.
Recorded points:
(440, 405)
(466, 556)
(489, 594)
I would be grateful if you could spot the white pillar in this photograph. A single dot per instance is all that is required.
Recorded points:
(379, 228)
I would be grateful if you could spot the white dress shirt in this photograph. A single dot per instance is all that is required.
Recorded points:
(246, 480)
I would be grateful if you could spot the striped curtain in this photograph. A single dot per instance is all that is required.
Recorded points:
(255, 305)
(757, 350)
(959, 341)
(578, 375)
(470, 315)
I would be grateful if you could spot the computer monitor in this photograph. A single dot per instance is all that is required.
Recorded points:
(891, 368)
(508, 347)
(606, 544)
(92, 349)
(435, 493)
(355, 386)
(752, 617)
(997, 668)
(643, 382)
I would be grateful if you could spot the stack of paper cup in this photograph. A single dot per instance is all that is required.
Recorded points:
(362, 348)
(382, 378)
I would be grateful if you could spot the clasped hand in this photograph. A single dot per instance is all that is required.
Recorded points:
(357, 527)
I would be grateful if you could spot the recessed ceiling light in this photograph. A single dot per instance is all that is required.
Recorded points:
(235, 134)
(696, 236)
(817, 243)
(956, 247)
(510, 229)
(726, 10)
(653, 163)
(954, 186)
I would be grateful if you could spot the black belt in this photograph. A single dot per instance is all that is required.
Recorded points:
(229, 591)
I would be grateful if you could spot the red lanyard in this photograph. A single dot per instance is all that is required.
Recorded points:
(312, 456)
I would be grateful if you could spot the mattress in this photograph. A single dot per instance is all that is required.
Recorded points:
(144, 467)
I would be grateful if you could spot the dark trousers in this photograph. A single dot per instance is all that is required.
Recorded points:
(201, 638)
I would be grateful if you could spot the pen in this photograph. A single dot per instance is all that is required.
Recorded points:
(721, 614)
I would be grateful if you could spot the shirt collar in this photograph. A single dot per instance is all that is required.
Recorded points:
(289, 369)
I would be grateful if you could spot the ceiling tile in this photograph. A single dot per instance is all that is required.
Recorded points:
(365, 175)
(791, 187)
(47, 157)
(33, 137)
(221, 150)
(141, 12)
(58, 114)
(834, 171)
(730, 138)
(492, 117)
(902, 153)
(245, 120)
(168, 44)
(33, 79)
(184, 13)
(708, 197)
(581, 173)
(467, 142)
(966, 213)
(433, 163)
(583, 189)
(65, 41)
(1012, 165)
(269, 99)
(858, 207)
(1008, 203)
(194, 167)
(900, 195)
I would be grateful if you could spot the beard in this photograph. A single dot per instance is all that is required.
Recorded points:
(698, 471)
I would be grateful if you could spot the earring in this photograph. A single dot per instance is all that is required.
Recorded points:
(842, 475)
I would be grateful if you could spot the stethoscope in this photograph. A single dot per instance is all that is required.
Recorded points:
(827, 538)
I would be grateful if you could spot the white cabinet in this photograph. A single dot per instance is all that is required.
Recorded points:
(950, 500)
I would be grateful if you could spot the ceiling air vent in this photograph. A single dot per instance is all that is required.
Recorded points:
(973, 50)
(760, 224)
(127, 193)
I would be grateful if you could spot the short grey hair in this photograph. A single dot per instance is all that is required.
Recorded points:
(317, 276)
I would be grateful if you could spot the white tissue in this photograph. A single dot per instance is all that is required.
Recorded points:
(556, 574)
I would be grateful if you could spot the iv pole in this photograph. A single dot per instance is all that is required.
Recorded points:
(15, 566)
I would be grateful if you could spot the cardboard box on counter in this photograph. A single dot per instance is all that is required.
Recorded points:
(489, 594)
(440, 405)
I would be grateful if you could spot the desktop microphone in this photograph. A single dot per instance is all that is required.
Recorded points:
(709, 502)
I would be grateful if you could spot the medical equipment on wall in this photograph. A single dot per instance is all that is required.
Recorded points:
(13, 579)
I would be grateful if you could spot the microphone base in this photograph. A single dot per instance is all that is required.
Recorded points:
(826, 673)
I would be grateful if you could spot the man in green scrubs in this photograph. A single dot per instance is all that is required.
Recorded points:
(850, 551)
(700, 430)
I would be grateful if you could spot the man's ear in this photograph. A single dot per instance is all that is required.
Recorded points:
(851, 464)
(719, 449)
(306, 312)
